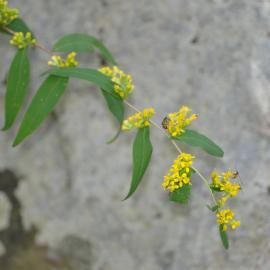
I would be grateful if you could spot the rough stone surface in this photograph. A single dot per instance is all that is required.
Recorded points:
(210, 54)
(2, 249)
(4, 211)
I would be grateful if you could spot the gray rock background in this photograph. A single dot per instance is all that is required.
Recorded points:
(212, 55)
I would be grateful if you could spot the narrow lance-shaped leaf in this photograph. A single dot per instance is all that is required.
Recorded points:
(82, 43)
(142, 152)
(114, 102)
(17, 84)
(196, 139)
(116, 107)
(41, 105)
(18, 25)
(88, 74)
(224, 237)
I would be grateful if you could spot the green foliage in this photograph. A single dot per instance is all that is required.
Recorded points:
(18, 25)
(116, 107)
(42, 104)
(17, 84)
(212, 208)
(114, 102)
(87, 74)
(223, 237)
(115, 86)
(196, 139)
(142, 152)
(181, 195)
(83, 43)
(216, 189)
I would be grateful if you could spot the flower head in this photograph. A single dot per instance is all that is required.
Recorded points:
(123, 85)
(7, 14)
(225, 217)
(180, 172)
(22, 40)
(139, 120)
(223, 183)
(178, 121)
(58, 61)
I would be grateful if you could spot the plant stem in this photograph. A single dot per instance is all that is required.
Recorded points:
(48, 51)
(37, 45)
(177, 148)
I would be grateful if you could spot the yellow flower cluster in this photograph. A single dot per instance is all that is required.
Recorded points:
(178, 121)
(7, 14)
(58, 61)
(22, 40)
(225, 217)
(139, 120)
(222, 183)
(179, 173)
(123, 85)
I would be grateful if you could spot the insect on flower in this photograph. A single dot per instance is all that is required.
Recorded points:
(165, 122)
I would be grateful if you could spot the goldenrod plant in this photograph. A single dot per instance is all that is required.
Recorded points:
(116, 87)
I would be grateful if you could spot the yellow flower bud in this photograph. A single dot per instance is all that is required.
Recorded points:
(139, 120)
(7, 14)
(179, 173)
(22, 40)
(58, 61)
(123, 82)
(178, 121)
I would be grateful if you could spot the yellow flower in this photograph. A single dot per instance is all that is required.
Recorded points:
(7, 14)
(22, 40)
(235, 224)
(222, 200)
(179, 174)
(139, 120)
(225, 217)
(178, 121)
(58, 61)
(123, 85)
(223, 183)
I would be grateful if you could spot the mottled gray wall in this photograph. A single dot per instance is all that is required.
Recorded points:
(213, 55)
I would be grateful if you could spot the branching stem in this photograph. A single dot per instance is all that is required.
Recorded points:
(48, 51)
(178, 150)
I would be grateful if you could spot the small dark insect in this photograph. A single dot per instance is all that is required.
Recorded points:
(165, 122)
(235, 174)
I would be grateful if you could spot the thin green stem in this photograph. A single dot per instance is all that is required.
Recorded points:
(206, 183)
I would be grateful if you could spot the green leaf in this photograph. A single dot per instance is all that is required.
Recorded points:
(17, 84)
(142, 152)
(82, 43)
(88, 74)
(181, 195)
(224, 237)
(41, 105)
(215, 188)
(116, 107)
(213, 208)
(18, 25)
(196, 139)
